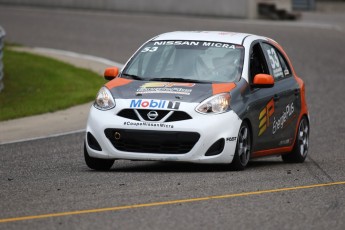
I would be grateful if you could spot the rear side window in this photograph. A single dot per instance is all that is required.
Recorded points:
(276, 62)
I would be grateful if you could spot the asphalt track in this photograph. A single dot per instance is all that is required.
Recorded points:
(45, 184)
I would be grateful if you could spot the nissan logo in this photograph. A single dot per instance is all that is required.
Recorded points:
(152, 115)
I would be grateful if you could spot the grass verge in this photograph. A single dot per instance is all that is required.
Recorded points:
(36, 84)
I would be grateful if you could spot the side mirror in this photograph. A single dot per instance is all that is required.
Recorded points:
(263, 81)
(111, 73)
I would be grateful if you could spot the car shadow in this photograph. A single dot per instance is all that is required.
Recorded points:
(178, 167)
(171, 167)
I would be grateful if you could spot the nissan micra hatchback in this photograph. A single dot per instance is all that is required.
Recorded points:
(202, 97)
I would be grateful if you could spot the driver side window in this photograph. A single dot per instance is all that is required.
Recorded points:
(257, 62)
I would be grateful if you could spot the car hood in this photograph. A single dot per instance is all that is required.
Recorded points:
(186, 92)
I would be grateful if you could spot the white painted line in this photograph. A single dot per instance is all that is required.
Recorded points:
(44, 137)
(78, 55)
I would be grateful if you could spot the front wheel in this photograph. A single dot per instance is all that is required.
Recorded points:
(97, 163)
(300, 150)
(243, 148)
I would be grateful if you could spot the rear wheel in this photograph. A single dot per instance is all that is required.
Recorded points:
(243, 148)
(300, 150)
(97, 163)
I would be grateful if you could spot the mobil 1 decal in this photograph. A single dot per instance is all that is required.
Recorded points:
(154, 104)
(268, 117)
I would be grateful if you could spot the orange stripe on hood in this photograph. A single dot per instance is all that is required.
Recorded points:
(222, 87)
(117, 82)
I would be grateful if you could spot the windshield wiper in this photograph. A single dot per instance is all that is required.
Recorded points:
(171, 79)
(132, 76)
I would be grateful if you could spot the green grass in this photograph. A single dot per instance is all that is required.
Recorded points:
(36, 84)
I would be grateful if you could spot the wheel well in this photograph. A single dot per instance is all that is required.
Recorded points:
(297, 126)
(306, 117)
(246, 120)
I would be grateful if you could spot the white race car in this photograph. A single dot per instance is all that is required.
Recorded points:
(202, 97)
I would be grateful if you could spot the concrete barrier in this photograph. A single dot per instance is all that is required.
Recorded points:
(221, 8)
(2, 35)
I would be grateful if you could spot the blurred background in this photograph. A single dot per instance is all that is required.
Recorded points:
(226, 8)
(114, 29)
(48, 175)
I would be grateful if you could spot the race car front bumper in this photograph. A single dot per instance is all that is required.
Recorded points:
(205, 138)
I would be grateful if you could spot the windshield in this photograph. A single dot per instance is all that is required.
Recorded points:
(194, 61)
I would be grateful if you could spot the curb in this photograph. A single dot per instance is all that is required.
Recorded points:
(90, 62)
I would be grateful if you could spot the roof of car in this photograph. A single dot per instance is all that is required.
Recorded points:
(214, 36)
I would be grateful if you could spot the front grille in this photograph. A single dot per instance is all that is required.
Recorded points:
(144, 141)
(161, 113)
(178, 116)
(174, 116)
(128, 113)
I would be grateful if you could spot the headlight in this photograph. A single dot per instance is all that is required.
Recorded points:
(104, 100)
(217, 104)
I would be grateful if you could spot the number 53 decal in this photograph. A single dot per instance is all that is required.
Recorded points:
(150, 49)
(273, 58)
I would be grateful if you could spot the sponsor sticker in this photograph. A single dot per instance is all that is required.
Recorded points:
(231, 138)
(166, 84)
(280, 122)
(148, 124)
(165, 87)
(181, 91)
(176, 43)
(285, 142)
(264, 117)
(154, 104)
(189, 43)
(275, 64)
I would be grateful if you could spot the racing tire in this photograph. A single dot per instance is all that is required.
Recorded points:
(243, 148)
(300, 150)
(97, 163)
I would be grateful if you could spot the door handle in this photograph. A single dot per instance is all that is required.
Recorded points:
(276, 97)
